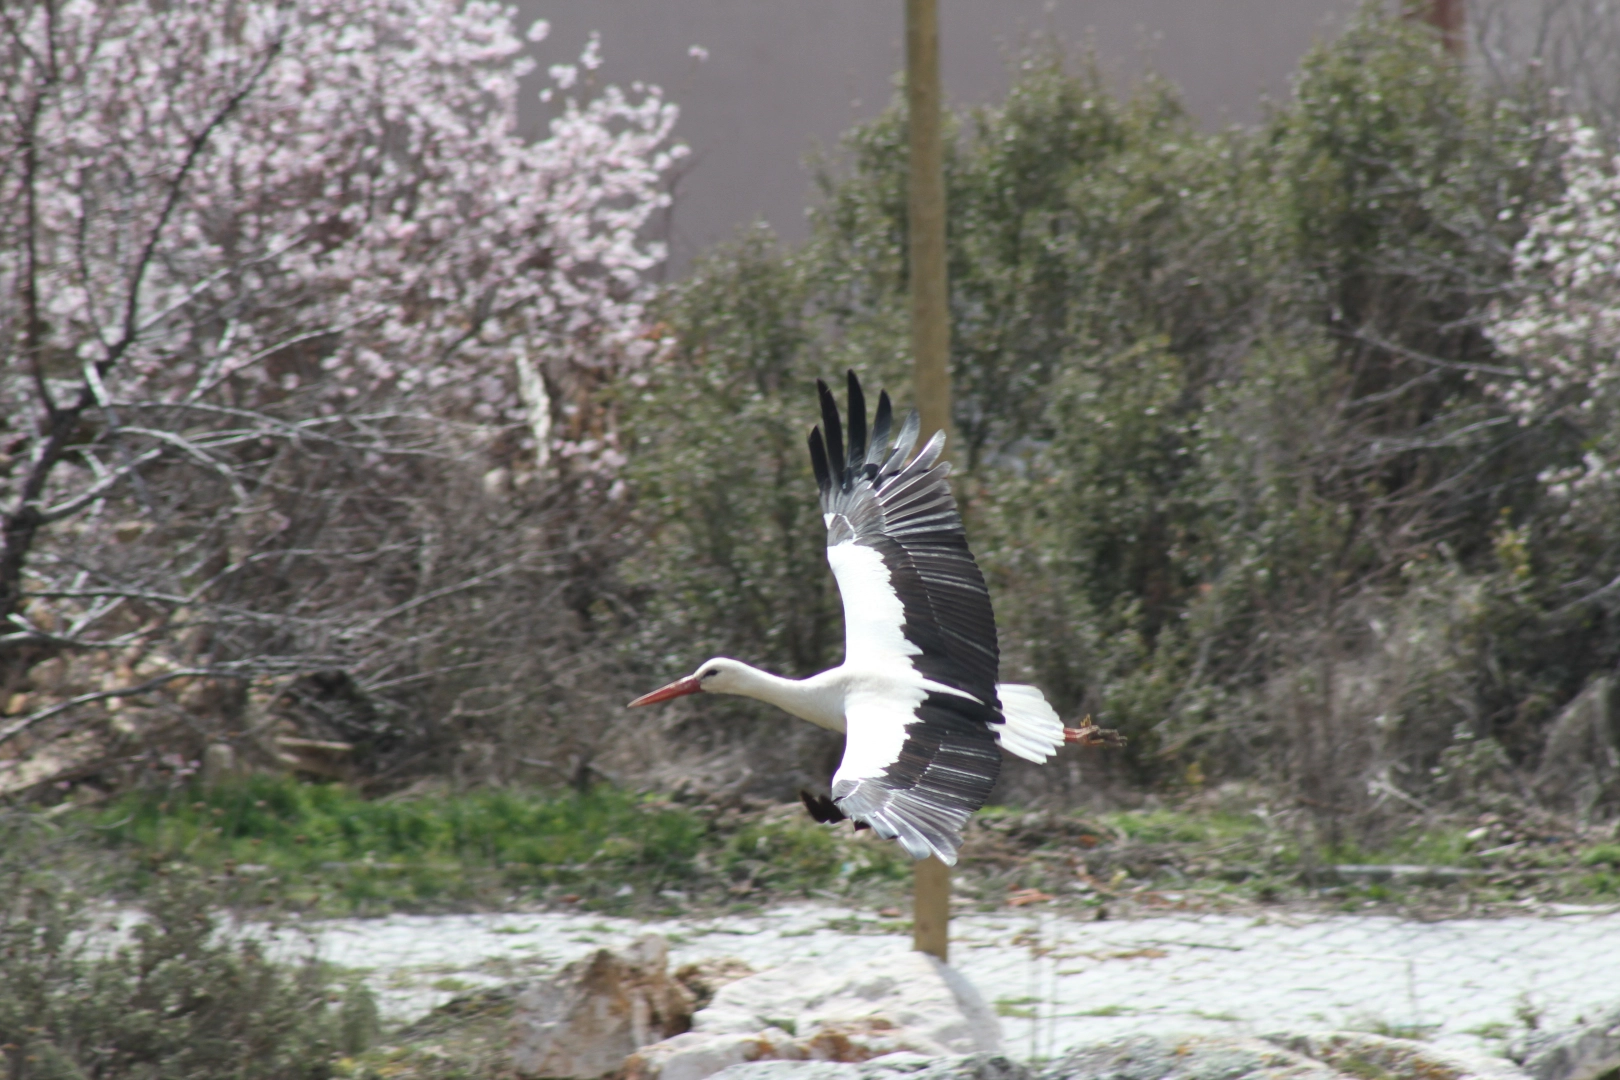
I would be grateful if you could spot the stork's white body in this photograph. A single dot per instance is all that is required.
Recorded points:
(916, 697)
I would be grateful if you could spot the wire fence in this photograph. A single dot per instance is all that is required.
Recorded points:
(1466, 984)
(1058, 982)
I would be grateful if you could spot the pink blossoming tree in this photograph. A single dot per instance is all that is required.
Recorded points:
(1564, 330)
(235, 238)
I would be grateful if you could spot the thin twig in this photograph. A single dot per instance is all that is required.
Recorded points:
(22, 725)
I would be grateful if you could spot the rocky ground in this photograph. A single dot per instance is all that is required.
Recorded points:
(1222, 919)
(1055, 981)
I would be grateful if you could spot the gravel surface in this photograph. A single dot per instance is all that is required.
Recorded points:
(1059, 981)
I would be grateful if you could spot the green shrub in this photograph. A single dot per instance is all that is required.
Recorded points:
(177, 999)
(800, 855)
(1225, 454)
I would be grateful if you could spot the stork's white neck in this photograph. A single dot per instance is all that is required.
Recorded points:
(818, 699)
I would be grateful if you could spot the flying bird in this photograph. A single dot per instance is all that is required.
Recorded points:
(924, 719)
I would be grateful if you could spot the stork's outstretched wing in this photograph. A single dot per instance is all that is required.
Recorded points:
(919, 636)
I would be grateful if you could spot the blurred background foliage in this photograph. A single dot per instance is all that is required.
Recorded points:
(1225, 442)
(1232, 448)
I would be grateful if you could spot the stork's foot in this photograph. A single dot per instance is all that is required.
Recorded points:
(1089, 734)
(821, 808)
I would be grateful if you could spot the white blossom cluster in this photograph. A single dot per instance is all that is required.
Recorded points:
(240, 202)
(1564, 330)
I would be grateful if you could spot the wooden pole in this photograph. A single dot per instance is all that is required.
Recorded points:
(930, 351)
(1445, 16)
(931, 908)
(930, 312)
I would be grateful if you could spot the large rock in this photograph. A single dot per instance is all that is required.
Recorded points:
(1359, 1054)
(1585, 1052)
(802, 1012)
(1327, 1056)
(1335, 1056)
(1192, 1057)
(596, 1012)
(1580, 765)
(694, 1055)
(897, 1066)
(911, 995)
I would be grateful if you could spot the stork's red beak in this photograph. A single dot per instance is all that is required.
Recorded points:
(678, 688)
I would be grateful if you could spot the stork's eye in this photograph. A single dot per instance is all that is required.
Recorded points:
(711, 673)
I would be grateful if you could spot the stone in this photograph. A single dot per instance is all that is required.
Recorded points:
(1193, 1057)
(1359, 1054)
(1328, 1056)
(792, 1070)
(910, 1002)
(898, 1064)
(705, 978)
(1580, 765)
(1586, 1052)
(965, 1067)
(596, 1012)
(924, 1004)
(693, 1055)
(73, 755)
(903, 1064)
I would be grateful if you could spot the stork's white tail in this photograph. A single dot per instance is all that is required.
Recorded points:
(1033, 730)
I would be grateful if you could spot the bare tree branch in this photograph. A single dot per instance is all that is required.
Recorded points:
(22, 724)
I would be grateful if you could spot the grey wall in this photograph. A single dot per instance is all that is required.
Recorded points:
(782, 76)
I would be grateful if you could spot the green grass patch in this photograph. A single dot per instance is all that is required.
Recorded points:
(1419, 847)
(1604, 884)
(1602, 855)
(1394, 1030)
(325, 848)
(323, 845)
(1174, 827)
(1438, 847)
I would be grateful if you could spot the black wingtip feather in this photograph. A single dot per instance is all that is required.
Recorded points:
(880, 429)
(857, 425)
(833, 430)
(818, 461)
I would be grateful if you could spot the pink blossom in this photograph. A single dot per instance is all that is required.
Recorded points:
(234, 201)
(1564, 327)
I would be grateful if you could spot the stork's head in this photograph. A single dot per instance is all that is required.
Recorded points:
(721, 675)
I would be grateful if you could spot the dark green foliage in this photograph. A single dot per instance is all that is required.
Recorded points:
(721, 472)
(1231, 466)
(797, 853)
(179, 1000)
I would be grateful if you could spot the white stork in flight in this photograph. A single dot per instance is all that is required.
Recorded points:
(916, 697)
